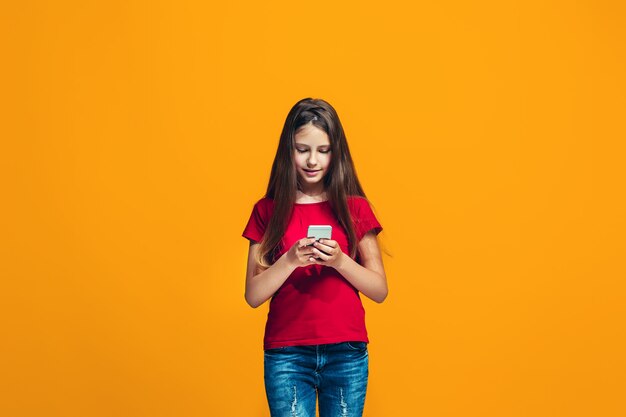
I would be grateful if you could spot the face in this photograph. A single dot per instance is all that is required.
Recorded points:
(312, 155)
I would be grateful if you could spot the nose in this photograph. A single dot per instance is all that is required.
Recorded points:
(312, 161)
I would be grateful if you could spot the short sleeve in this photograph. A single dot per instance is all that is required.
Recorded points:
(255, 228)
(365, 220)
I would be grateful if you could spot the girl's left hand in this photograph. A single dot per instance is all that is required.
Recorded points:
(328, 252)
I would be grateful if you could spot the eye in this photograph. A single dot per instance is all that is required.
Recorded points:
(306, 150)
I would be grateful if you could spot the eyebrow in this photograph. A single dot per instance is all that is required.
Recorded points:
(307, 146)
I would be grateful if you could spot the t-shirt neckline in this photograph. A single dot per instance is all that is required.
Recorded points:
(310, 204)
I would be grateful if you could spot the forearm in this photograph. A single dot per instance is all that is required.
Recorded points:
(370, 283)
(263, 285)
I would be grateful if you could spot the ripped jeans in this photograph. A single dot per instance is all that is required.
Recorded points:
(336, 373)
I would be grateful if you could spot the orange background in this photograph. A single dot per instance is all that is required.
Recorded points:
(136, 137)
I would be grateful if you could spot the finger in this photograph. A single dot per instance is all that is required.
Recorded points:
(324, 249)
(321, 255)
(327, 252)
(305, 251)
(305, 242)
(324, 246)
(311, 259)
(329, 242)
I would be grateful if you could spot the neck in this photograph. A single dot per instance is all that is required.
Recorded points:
(316, 194)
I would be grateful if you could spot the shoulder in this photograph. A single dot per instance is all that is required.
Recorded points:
(264, 206)
(264, 202)
(354, 199)
(355, 202)
(361, 209)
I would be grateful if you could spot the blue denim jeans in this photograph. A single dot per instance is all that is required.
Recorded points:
(336, 373)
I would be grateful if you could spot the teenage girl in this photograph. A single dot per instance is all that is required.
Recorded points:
(315, 343)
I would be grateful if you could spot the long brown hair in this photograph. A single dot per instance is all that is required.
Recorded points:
(339, 182)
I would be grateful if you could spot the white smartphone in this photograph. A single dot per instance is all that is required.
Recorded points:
(320, 231)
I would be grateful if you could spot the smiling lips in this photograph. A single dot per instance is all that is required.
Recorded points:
(311, 173)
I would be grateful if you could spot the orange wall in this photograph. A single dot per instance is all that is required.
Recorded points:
(489, 136)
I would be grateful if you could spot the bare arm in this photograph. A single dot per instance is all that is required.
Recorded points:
(370, 279)
(261, 286)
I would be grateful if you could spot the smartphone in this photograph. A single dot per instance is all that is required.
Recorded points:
(318, 231)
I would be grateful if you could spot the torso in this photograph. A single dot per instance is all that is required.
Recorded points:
(302, 198)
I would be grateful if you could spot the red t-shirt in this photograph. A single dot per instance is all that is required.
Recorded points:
(316, 304)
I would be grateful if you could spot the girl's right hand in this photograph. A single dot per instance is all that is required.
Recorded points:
(300, 254)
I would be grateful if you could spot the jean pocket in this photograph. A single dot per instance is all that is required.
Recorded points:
(356, 345)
